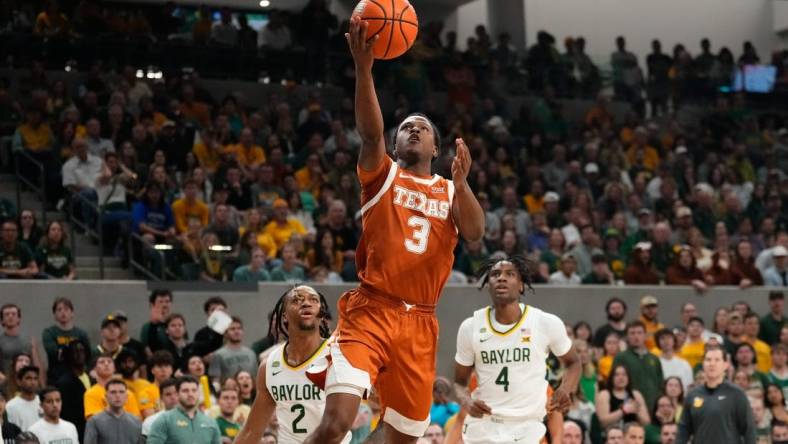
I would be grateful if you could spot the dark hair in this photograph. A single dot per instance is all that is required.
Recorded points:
(116, 381)
(613, 300)
(776, 295)
(173, 317)
(157, 293)
(161, 358)
(186, 379)
(681, 384)
(214, 300)
(766, 401)
(611, 376)
(520, 263)
(713, 347)
(664, 332)
(277, 319)
(25, 370)
(62, 300)
(635, 324)
(42, 394)
(27, 438)
(739, 347)
(696, 319)
(171, 382)
(7, 306)
(581, 324)
(435, 133)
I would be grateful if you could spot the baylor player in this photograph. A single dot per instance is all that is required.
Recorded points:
(506, 344)
(282, 386)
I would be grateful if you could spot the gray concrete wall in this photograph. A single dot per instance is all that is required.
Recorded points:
(94, 299)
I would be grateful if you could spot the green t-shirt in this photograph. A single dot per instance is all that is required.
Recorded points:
(17, 258)
(228, 429)
(55, 262)
(245, 274)
(770, 329)
(297, 274)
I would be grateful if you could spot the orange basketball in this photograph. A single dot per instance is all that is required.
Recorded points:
(394, 21)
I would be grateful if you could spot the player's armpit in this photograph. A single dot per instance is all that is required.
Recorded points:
(260, 415)
(571, 378)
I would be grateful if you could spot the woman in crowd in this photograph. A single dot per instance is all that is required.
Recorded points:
(196, 367)
(744, 360)
(774, 399)
(610, 348)
(720, 325)
(53, 255)
(674, 390)
(684, 271)
(588, 377)
(325, 253)
(619, 403)
(246, 387)
(745, 273)
(29, 232)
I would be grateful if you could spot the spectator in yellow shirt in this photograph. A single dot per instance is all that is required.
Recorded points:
(640, 144)
(189, 207)
(534, 201)
(311, 176)
(283, 227)
(208, 151)
(51, 23)
(763, 352)
(95, 397)
(146, 393)
(248, 155)
(649, 310)
(692, 350)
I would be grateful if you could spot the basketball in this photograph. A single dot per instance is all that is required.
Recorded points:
(394, 21)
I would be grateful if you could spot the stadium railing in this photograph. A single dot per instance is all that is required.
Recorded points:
(37, 183)
(91, 229)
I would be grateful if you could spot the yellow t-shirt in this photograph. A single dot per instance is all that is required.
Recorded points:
(207, 158)
(36, 139)
(693, 352)
(147, 394)
(604, 366)
(651, 328)
(282, 233)
(96, 402)
(251, 157)
(763, 355)
(264, 241)
(182, 212)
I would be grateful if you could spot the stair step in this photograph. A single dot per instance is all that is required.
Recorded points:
(93, 261)
(109, 273)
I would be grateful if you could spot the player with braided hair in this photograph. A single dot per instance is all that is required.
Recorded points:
(506, 345)
(301, 317)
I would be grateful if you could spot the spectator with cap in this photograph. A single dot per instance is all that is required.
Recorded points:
(777, 274)
(96, 396)
(775, 320)
(110, 337)
(672, 364)
(57, 338)
(283, 227)
(566, 274)
(640, 270)
(600, 271)
(127, 341)
(683, 226)
(644, 368)
(649, 310)
(114, 425)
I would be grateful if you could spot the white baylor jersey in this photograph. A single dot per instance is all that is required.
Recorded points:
(299, 402)
(510, 365)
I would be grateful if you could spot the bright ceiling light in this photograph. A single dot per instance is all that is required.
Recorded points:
(265, 3)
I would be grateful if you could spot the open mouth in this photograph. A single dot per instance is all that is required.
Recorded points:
(414, 138)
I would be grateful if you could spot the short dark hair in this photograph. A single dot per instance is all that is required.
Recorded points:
(62, 300)
(613, 300)
(238, 320)
(186, 379)
(713, 347)
(27, 369)
(635, 324)
(228, 389)
(157, 293)
(215, 300)
(190, 181)
(630, 425)
(161, 358)
(435, 132)
(776, 294)
(116, 381)
(696, 319)
(42, 394)
(664, 332)
(170, 382)
(752, 314)
(7, 306)
(173, 317)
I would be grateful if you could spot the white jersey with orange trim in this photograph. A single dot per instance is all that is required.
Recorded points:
(509, 361)
(299, 402)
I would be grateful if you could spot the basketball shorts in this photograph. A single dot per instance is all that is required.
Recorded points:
(492, 430)
(383, 342)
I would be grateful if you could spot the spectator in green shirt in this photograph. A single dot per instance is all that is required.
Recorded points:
(57, 338)
(16, 260)
(772, 323)
(255, 271)
(228, 402)
(53, 256)
(644, 368)
(289, 270)
(185, 424)
(154, 333)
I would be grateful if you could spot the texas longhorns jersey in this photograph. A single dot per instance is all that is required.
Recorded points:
(406, 250)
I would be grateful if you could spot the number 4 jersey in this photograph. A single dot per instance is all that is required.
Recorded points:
(509, 361)
(406, 249)
(299, 402)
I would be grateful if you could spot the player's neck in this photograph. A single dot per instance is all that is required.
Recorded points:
(508, 313)
(420, 169)
(301, 345)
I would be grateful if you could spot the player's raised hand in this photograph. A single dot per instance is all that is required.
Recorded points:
(477, 408)
(462, 162)
(360, 46)
(560, 402)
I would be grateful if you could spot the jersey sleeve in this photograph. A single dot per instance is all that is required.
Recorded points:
(559, 341)
(372, 181)
(465, 354)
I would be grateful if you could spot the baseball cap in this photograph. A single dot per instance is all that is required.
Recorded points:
(119, 315)
(551, 196)
(110, 319)
(280, 203)
(643, 246)
(683, 211)
(681, 149)
(780, 251)
(591, 168)
(647, 300)
(644, 212)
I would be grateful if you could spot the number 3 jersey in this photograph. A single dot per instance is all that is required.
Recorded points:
(406, 250)
(509, 361)
(299, 402)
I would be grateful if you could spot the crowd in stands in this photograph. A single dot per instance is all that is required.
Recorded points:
(636, 372)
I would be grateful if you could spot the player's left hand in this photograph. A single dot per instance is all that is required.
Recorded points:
(561, 401)
(462, 163)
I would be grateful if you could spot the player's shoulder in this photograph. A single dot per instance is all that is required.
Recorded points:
(542, 317)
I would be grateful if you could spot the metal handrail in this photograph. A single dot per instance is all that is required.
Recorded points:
(97, 232)
(139, 266)
(39, 188)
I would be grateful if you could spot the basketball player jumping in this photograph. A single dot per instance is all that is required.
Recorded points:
(282, 386)
(506, 344)
(387, 332)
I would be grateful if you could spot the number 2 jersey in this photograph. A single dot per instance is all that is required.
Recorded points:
(510, 364)
(406, 250)
(299, 402)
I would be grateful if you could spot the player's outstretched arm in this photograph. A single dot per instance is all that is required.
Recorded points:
(369, 119)
(466, 211)
(260, 414)
(562, 400)
(476, 408)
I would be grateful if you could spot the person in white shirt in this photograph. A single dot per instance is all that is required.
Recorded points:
(24, 410)
(673, 365)
(80, 173)
(566, 274)
(97, 145)
(50, 429)
(506, 344)
(168, 399)
(275, 35)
